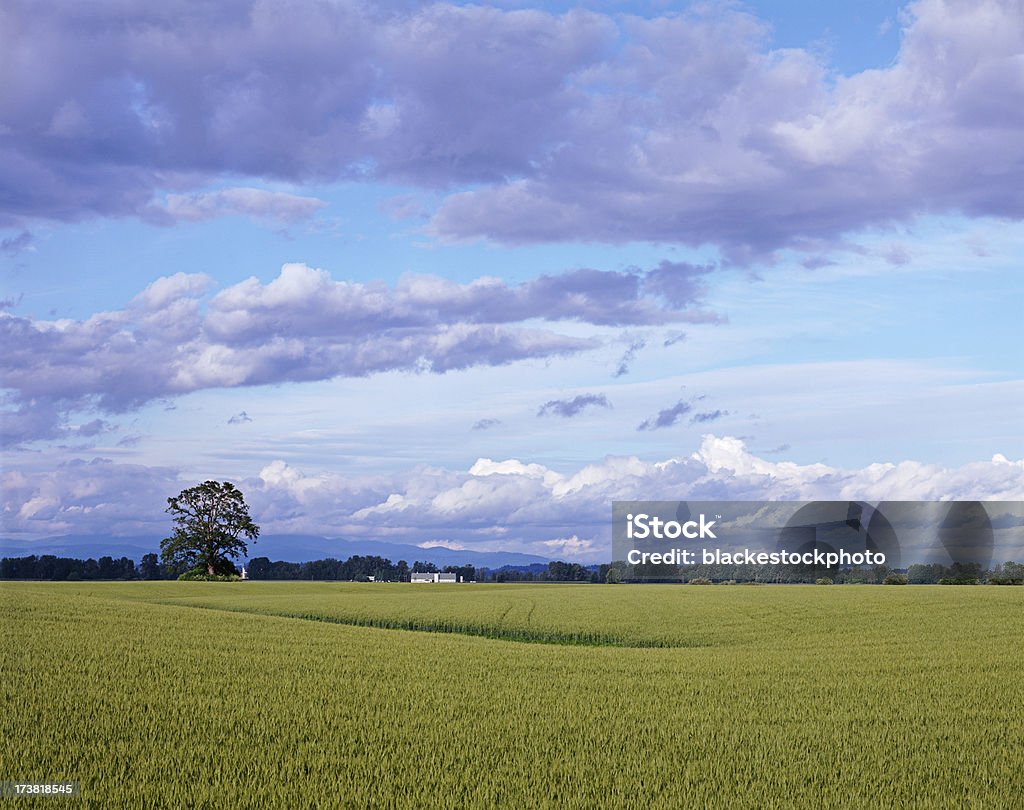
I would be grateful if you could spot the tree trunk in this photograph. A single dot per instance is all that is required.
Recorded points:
(209, 568)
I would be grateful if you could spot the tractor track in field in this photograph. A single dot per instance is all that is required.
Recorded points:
(493, 632)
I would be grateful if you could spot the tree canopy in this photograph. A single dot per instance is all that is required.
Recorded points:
(210, 521)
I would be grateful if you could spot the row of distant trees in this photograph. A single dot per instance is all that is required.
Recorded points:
(359, 568)
(65, 568)
(51, 567)
(355, 568)
(363, 568)
(383, 570)
(1008, 573)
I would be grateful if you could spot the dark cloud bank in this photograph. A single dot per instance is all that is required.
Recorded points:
(687, 128)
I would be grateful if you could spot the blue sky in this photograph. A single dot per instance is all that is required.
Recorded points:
(465, 274)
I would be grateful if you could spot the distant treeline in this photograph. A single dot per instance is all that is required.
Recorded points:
(357, 568)
(361, 568)
(1009, 573)
(65, 568)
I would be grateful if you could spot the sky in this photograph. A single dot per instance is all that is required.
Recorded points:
(462, 275)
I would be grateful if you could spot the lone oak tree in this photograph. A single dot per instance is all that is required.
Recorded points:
(210, 520)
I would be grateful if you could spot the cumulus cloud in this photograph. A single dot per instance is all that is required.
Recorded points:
(680, 283)
(569, 547)
(707, 135)
(87, 497)
(508, 503)
(486, 424)
(568, 408)
(25, 419)
(324, 90)
(304, 325)
(533, 126)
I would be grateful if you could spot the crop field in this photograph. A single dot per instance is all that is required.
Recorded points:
(325, 694)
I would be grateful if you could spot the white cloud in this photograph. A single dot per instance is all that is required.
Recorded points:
(170, 290)
(304, 325)
(571, 547)
(485, 466)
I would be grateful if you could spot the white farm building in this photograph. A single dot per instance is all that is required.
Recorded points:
(435, 577)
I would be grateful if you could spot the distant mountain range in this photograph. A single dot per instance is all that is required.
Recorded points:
(289, 547)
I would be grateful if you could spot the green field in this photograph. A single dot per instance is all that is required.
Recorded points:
(323, 694)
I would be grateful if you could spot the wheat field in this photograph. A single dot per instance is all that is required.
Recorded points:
(188, 694)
